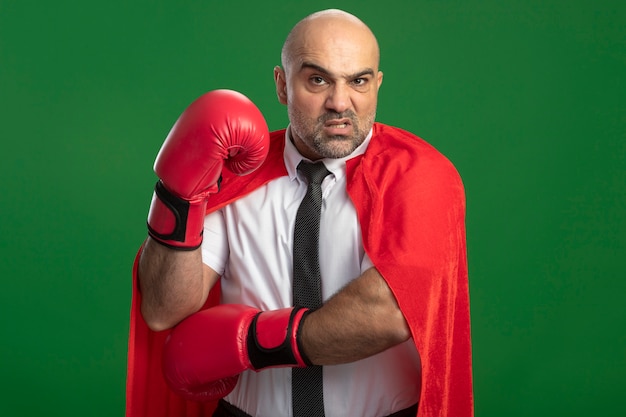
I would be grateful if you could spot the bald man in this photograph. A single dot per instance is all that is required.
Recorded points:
(383, 303)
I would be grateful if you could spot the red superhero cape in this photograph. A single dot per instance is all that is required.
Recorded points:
(411, 206)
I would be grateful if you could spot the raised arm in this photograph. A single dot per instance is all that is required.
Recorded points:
(220, 128)
(173, 284)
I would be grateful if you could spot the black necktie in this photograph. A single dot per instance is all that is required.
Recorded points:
(307, 387)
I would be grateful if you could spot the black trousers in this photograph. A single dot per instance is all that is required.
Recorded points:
(225, 409)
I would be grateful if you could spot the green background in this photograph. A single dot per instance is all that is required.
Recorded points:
(526, 97)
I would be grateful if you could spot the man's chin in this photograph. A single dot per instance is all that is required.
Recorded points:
(337, 146)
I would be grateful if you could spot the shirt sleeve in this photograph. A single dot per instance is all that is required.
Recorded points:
(215, 242)
(366, 263)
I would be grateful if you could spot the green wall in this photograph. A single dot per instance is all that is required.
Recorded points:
(526, 97)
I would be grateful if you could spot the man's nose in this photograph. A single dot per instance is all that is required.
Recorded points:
(338, 99)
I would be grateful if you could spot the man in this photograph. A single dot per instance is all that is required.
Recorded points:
(392, 334)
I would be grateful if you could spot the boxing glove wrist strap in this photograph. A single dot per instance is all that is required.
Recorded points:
(175, 222)
(274, 339)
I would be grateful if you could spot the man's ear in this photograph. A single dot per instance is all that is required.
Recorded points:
(281, 84)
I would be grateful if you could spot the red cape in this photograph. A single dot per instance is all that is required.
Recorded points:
(411, 206)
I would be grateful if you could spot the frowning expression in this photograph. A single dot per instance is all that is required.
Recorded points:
(330, 83)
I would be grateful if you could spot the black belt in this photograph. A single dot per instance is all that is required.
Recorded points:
(225, 409)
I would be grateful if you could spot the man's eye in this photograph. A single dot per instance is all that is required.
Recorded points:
(359, 81)
(317, 80)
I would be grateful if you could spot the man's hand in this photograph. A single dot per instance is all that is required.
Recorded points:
(221, 127)
(205, 353)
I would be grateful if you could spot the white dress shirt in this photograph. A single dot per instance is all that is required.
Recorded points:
(249, 242)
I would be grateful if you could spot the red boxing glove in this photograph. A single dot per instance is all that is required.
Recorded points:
(205, 353)
(221, 127)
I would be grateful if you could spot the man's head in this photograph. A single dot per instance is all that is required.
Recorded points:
(329, 81)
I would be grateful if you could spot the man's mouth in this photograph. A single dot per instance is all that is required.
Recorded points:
(337, 124)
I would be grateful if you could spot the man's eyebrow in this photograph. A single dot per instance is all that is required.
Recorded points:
(322, 70)
(316, 67)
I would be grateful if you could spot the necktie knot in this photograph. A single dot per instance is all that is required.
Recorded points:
(314, 172)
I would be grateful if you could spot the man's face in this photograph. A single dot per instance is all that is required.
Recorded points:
(331, 89)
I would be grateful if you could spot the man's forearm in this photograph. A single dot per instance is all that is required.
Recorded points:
(359, 321)
(171, 283)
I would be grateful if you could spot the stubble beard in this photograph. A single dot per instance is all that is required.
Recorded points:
(311, 133)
